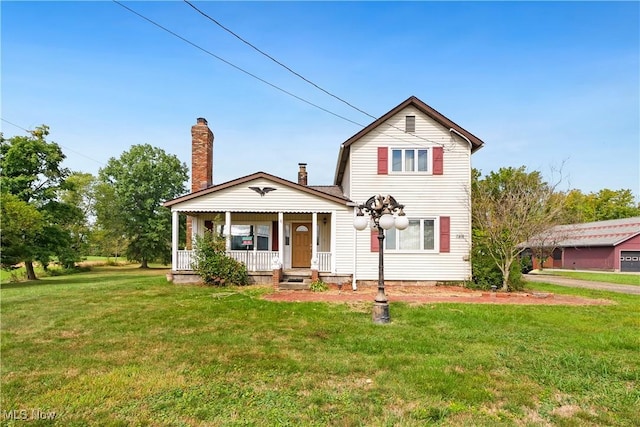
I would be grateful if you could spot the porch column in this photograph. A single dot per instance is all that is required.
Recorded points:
(333, 242)
(195, 228)
(278, 264)
(281, 238)
(354, 283)
(227, 231)
(314, 246)
(175, 228)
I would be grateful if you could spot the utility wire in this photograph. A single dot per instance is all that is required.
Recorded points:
(296, 73)
(65, 147)
(18, 126)
(276, 61)
(271, 84)
(235, 66)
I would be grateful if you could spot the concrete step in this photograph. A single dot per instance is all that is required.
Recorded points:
(295, 282)
(293, 286)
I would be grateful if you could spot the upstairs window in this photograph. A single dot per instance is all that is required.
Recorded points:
(409, 160)
(410, 124)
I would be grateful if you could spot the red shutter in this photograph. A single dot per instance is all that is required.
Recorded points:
(437, 160)
(383, 160)
(375, 243)
(445, 234)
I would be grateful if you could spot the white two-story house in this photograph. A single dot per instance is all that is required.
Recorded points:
(284, 230)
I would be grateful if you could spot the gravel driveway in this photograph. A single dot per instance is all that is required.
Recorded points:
(575, 283)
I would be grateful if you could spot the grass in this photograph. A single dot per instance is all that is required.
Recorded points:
(618, 278)
(19, 274)
(121, 346)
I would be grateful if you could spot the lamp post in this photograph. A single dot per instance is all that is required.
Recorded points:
(381, 209)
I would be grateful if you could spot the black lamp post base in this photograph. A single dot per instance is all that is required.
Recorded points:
(381, 312)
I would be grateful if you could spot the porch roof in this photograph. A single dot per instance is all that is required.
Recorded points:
(331, 193)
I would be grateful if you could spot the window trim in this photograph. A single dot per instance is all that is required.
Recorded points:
(410, 124)
(255, 225)
(436, 238)
(416, 157)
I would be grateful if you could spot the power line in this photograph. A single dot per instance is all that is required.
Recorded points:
(235, 66)
(296, 73)
(269, 83)
(278, 62)
(65, 147)
(13, 124)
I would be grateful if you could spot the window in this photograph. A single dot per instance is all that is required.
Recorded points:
(409, 160)
(262, 237)
(420, 235)
(410, 124)
(244, 237)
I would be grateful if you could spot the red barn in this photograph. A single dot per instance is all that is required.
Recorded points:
(612, 245)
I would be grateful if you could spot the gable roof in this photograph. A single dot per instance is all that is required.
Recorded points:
(600, 233)
(329, 192)
(343, 157)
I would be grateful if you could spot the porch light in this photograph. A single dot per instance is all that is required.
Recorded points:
(381, 212)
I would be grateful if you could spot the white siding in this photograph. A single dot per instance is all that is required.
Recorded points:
(423, 195)
(346, 180)
(344, 241)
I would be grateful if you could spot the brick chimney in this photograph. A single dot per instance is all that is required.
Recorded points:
(201, 156)
(302, 174)
(201, 163)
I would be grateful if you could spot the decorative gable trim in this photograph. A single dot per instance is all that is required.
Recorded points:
(257, 175)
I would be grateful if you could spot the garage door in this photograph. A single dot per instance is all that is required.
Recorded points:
(630, 261)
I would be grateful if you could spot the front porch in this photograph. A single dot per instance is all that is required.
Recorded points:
(269, 244)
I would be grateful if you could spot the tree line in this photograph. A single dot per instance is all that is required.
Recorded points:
(51, 213)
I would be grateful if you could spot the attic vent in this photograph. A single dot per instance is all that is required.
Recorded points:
(410, 124)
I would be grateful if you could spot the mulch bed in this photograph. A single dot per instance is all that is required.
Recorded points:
(430, 295)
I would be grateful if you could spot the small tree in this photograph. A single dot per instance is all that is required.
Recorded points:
(508, 208)
(213, 264)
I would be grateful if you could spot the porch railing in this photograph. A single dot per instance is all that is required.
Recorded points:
(184, 258)
(254, 260)
(324, 261)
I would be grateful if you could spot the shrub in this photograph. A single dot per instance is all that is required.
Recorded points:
(486, 272)
(213, 264)
(318, 286)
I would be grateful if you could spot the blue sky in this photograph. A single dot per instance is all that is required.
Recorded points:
(542, 83)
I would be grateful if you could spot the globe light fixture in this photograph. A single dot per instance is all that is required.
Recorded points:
(380, 210)
(360, 222)
(387, 221)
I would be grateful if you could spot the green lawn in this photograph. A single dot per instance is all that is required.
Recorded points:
(121, 346)
(618, 278)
